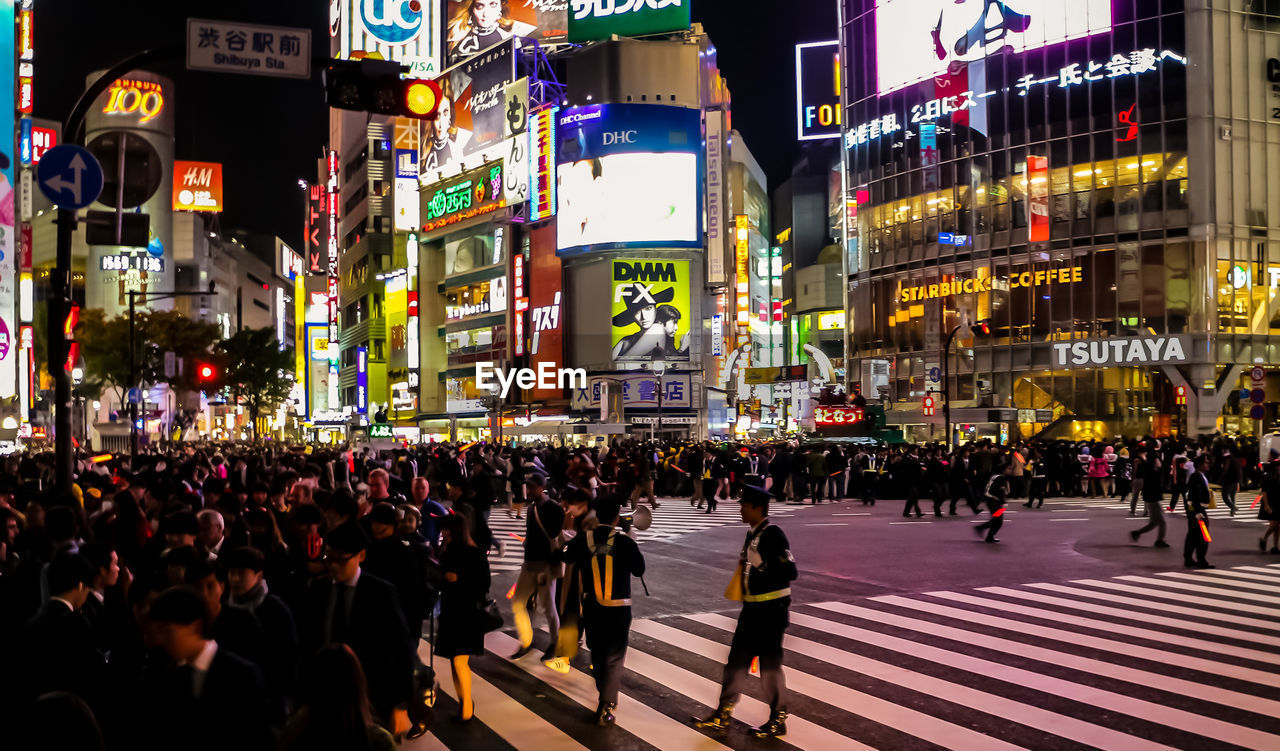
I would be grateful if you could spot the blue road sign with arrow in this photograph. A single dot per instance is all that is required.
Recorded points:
(69, 176)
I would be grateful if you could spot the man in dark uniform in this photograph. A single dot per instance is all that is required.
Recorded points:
(606, 560)
(767, 569)
(1196, 547)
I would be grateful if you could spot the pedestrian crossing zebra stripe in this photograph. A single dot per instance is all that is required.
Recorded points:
(1200, 588)
(1181, 624)
(828, 667)
(1179, 597)
(1242, 575)
(1231, 583)
(1088, 598)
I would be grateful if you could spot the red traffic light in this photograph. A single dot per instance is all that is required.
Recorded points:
(421, 98)
(205, 371)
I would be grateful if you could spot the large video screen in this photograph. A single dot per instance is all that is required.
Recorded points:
(919, 39)
(628, 199)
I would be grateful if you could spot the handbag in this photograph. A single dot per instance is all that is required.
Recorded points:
(490, 616)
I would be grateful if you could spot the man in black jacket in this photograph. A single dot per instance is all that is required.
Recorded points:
(1196, 547)
(247, 590)
(606, 560)
(766, 568)
(361, 611)
(60, 654)
(391, 559)
(212, 699)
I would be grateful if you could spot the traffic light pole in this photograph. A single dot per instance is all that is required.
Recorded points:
(946, 384)
(134, 294)
(60, 300)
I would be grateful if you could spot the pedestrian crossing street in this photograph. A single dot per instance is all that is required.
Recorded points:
(1244, 513)
(673, 518)
(1177, 660)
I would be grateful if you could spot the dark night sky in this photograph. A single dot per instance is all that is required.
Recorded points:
(268, 132)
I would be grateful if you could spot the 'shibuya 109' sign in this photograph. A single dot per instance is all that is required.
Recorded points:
(129, 97)
(469, 195)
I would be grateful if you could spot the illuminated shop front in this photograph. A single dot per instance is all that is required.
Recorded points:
(1041, 170)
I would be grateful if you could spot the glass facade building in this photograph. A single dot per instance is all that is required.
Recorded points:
(1053, 168)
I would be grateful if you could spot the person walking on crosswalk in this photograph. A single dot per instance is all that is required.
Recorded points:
(542, 567)
(1148, 475)
(606, 561)
(762, 582)
(1196, 547)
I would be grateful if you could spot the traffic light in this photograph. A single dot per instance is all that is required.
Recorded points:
(1180, 396)
(205, 372)
(928, 405)
(377, 86)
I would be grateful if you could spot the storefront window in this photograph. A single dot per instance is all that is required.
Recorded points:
(481, 298)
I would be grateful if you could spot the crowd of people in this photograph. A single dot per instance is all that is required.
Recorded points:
(277, 597)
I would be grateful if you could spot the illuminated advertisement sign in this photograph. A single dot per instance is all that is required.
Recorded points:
(9, 326)
(818, 90)
(917, 40)
(590, 20)
(197, 186)
(476, 25)
(1141, 350)
(639, 390)
(627, 175)
(289, 265)
(546, 334)
(1037, 199)
(742, 236)
(317, 201)
(715, 198)
(837, 415)
(650, 310)
(471, 194)
(473, 110)
(399, 30)
(332, 216)
(476, 299)
(407, 203)
(953, 106)
(362, 379)
(542, 144)
(141, 99)
(1042, 277)
(127, 262)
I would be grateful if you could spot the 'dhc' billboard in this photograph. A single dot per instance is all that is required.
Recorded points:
(628, 176)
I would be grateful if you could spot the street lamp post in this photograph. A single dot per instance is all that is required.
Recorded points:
(946, 373)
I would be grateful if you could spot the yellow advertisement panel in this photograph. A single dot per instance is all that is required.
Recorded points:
(650, 310)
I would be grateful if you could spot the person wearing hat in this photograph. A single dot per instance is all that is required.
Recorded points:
(642, 310)
(360, 610)
(762, 582)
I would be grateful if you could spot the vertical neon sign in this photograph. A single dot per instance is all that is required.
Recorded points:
(331, 206)
(362, 379)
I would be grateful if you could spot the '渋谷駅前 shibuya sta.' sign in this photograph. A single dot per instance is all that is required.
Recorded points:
(1138, 350)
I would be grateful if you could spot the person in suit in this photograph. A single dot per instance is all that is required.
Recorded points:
(466, 585)
(360, 610)
(542, 567)
(766, 569)
(390, 558)
(247, 590)
(210, 698)
(605, 562)
(61, 654)
(236, 629)
(1195, 549)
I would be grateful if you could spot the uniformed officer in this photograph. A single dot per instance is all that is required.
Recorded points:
(605, 561)
(762, 581)
(1198, 496)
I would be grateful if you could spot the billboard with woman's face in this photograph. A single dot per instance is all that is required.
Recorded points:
(476, 25)
(650, 310)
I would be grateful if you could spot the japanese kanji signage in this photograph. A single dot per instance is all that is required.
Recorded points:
(837, 415)
(227, 47)
(638, 390)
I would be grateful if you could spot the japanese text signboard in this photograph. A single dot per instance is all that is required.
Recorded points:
(229, 47)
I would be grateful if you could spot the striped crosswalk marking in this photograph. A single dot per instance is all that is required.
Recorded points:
(1123, 664)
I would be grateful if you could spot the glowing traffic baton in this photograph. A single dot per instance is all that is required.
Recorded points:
(511, 593)
(1204, 531)
(998, 512)
(1255, 502)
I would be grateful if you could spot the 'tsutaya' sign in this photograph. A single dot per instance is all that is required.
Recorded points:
(1063, 275)
(1138, 350)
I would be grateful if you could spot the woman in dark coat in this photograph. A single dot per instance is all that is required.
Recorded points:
(1269, 510)
(461, 634)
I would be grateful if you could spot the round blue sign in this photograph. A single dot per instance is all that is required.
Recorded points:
(1257, 412)
(69, 176)
(155, 248)
(391, 21)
